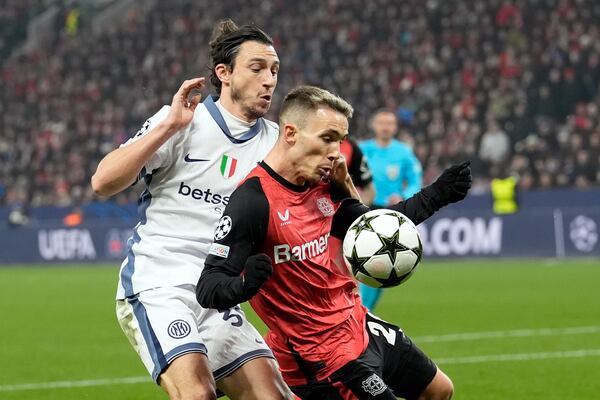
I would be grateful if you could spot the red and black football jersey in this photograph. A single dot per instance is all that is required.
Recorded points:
(310, 303)
(319, 319)
(311, 307)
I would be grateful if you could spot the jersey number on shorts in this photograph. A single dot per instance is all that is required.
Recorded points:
(377, 329)
(232, 314)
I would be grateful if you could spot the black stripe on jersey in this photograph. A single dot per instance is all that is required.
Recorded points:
(221, 285)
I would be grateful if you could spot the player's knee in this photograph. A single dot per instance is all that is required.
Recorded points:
(281, 395)
(195, 392)
(445, 390)
(198, 391)
(440, 388)
(275, 394)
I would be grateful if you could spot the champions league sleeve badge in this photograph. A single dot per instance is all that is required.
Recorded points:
(223, 227)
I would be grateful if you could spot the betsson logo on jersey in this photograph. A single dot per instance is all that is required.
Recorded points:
(304, 251)
(202, 194)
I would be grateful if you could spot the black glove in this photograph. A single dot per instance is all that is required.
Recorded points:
(454, 183)
(257, 270)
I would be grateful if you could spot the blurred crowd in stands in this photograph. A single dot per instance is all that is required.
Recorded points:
(511, 85)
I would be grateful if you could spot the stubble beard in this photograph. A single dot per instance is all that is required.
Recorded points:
(249, 111)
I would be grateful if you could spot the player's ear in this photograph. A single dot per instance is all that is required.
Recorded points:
(223, 72)
(290, 133)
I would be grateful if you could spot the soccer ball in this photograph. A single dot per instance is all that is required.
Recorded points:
(382, 248)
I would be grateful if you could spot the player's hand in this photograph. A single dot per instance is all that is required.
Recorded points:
(256, 272)
(184, 105)
(454, 183)
(339, 172)
(340, 178)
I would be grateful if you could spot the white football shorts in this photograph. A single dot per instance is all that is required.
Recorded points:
(165, 323)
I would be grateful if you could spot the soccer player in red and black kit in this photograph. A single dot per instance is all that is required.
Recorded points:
(271, 248)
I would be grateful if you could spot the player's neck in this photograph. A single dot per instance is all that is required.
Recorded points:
(234, 109)
(284, 167)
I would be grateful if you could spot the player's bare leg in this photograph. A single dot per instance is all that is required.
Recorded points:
(258, 379)
(188, 377)
(440, 388)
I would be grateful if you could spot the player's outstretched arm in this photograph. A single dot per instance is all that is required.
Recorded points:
(451, 186)
(120, 168)
(233, 272)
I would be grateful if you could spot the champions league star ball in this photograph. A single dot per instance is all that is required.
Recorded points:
(382, 248)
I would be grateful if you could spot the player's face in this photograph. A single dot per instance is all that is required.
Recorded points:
(253, 79)
(385, 125)
(318, 144)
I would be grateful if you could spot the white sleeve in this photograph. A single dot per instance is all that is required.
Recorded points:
(163, 155)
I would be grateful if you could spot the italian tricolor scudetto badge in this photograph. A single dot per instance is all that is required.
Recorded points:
(228, 165)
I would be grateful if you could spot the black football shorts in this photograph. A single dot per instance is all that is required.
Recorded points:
(392, 366)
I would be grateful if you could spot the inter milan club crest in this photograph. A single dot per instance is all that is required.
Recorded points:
(325, 206)
(179, 329)
(228, 165)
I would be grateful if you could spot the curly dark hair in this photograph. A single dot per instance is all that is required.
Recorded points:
(225, 44)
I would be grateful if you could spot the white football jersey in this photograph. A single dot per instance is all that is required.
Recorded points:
(188, 184)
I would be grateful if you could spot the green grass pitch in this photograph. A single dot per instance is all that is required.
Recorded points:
(501, 330)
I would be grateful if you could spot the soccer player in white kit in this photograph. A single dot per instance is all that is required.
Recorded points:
(192, 156)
